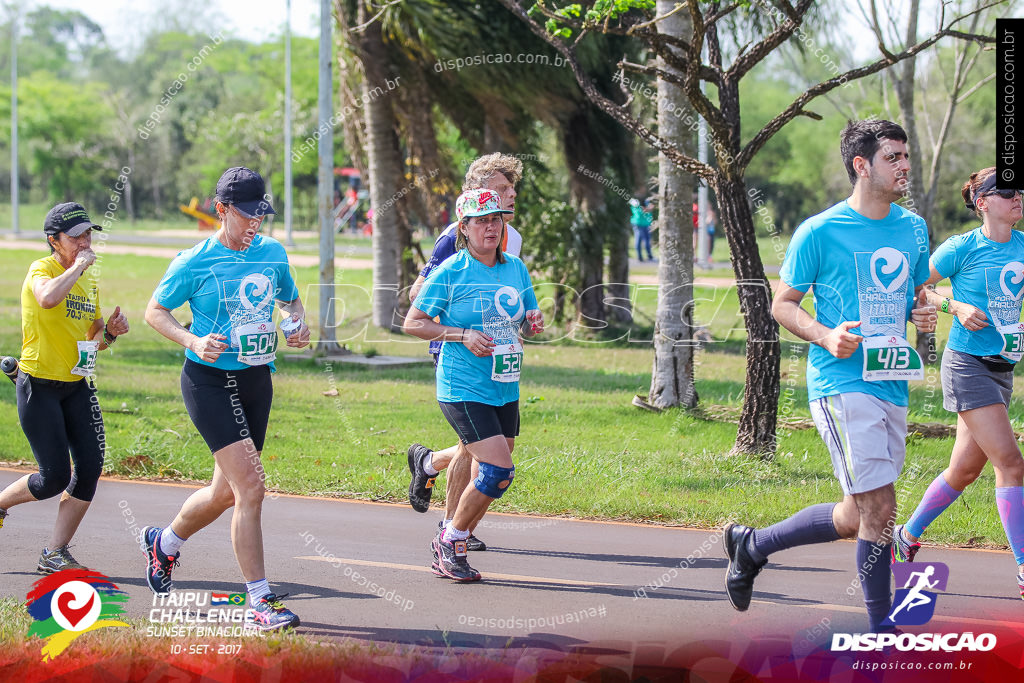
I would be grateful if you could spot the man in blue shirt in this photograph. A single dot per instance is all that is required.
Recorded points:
(867, 260)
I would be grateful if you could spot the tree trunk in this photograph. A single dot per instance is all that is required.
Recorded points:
(917, 199)
(672, 372)
(584, 160)
(620, 310)
(756, 434)
(385, 170)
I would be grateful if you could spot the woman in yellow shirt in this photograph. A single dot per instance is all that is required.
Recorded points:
(63, 330)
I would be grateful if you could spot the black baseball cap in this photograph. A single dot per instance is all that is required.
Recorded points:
(68, 217)
(244, 189)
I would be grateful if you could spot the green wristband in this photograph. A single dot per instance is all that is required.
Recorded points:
(945, 305)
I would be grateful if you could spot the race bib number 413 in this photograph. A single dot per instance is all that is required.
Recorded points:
(889, 358)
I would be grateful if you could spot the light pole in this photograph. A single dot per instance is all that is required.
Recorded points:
(325, 184)
(288, 125)
(14, 118)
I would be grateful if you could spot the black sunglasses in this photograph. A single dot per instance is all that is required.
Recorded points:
(1005, 194)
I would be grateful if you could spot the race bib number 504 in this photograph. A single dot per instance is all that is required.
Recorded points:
(257, 343)
(888, 358)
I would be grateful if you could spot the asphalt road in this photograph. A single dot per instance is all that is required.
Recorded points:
(361, 570)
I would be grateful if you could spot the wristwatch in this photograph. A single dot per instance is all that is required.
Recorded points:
(107, 337)
(945, 305)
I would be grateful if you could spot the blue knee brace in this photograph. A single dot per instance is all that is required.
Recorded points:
(493, 481)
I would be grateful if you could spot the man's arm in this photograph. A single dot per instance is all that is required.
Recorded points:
(840, 342)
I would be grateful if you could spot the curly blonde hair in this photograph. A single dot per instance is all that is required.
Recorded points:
(484, 168)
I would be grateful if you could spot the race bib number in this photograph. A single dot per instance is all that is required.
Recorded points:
(1013, 341)
(257, 343)
(888, 358)
(508, 362)
(86, 365)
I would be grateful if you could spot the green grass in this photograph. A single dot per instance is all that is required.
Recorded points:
(583, 451)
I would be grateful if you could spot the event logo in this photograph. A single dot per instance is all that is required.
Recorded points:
(1015, 270)
(896, 268)
(66, 604)
(914, 603)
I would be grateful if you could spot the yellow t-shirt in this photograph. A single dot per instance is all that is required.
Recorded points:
(50, 348)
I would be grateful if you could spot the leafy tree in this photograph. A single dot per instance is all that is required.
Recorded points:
(704, 55)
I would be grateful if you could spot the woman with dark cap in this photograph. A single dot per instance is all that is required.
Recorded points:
(986, 268)
(231, 281)
(62, 330)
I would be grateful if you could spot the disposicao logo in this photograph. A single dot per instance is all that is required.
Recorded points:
(913, 604)
(66, 604)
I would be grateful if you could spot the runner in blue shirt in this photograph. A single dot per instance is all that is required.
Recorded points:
(865, 258)
(500, 173)
(986, 269)
(230, 281)
(484, 301)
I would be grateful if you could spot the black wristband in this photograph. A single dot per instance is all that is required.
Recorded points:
(107, 337)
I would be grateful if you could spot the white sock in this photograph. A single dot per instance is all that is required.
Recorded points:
(170, 542)
(428, 464)
(452, 534)
(257, 590)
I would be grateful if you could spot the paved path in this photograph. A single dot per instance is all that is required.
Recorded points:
(581, 583)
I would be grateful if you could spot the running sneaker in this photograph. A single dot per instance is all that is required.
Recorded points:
(903, 550)
(158, 564)
(452, 560)
(1020, 584)
(270, 614)
(739, 577)
(435, 563)
(472, 543)
(422, 485)
(56, 560)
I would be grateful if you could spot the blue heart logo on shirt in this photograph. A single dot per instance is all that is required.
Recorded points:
(893, 272)
(260, 286)
(1011, 280)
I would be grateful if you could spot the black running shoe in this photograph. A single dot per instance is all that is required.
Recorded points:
(158, 563)
(422, 485)
(452, 560)
(739, 577)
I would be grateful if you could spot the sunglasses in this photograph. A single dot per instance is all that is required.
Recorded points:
(1005, 194)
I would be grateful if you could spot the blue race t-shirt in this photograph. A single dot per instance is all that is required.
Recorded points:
(231, 293)
(444, 249)
(465, 293)
(987, 275)
(860, 269)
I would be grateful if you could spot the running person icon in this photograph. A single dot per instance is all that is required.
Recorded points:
(915, 597)
(986, 268)
(867, 260)
(485, 302)
(230, 281)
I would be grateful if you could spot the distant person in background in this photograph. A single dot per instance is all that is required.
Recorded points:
(709, 228)
(641, 219)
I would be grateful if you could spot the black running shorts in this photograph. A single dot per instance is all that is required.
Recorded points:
(474, 421)
(228, 406)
